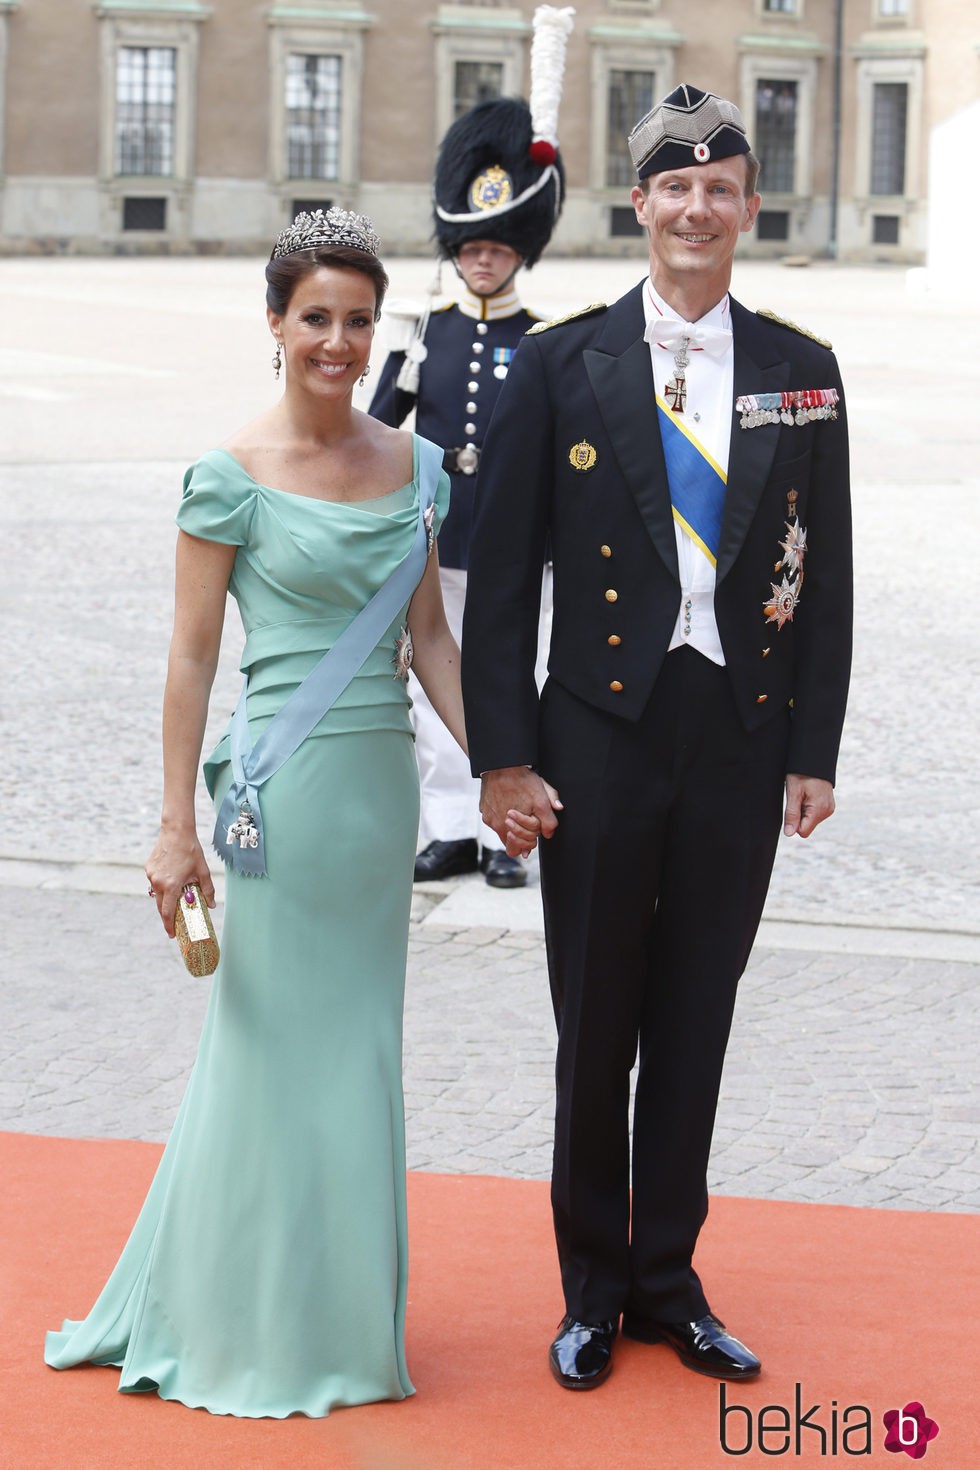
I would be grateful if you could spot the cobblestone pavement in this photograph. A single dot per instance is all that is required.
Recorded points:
(851, 1079)
(851, 1074)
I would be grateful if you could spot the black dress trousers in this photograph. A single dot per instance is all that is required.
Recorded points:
(653, 886)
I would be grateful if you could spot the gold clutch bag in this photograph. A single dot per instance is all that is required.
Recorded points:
(195, 932)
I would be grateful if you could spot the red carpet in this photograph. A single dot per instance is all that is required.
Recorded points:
(873, 1308)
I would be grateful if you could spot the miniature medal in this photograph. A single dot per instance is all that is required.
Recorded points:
(501, 361)
(796, 406)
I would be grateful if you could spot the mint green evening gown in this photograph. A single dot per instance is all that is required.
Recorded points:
(266, 1272)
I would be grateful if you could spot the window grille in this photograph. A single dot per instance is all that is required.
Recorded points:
(776, 106)
(313, 116)
(146, 89)
(476, 81)
(630, 97)
(888, 131)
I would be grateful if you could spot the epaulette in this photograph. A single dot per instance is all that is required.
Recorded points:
(571, 316)
(781, 321)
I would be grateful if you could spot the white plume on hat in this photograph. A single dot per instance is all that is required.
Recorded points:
(552, 28)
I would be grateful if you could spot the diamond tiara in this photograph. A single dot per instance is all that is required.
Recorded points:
(334, 226)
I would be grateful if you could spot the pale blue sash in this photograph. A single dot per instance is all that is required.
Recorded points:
(697, 484)
(239, 813)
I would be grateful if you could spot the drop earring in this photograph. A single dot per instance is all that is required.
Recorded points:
(363, 378)
(277, 360)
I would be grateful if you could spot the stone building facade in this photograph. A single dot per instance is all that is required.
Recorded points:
(200, 125)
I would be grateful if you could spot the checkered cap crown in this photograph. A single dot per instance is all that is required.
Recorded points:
(685, 128)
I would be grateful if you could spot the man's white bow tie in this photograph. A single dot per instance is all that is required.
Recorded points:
(670, 332)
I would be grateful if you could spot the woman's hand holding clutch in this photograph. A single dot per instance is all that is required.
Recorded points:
(176, 860)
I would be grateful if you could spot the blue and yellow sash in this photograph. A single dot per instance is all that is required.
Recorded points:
(697, 483)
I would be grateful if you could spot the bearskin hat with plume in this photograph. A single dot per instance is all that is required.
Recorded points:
(499, 175)
(495, 142)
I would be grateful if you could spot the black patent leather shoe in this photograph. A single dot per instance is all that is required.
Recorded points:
(704, 1345)
(581, 1354)
(502, 871)
(446, 859)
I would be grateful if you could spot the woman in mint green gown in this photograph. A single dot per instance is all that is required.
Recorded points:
(266, 1273)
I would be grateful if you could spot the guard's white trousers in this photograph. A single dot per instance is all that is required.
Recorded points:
(450, 795)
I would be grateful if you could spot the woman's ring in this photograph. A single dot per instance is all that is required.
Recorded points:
(150, 893)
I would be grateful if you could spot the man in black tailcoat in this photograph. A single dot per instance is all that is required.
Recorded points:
(688, 460)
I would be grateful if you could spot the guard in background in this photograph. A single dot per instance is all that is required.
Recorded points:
(499, 187)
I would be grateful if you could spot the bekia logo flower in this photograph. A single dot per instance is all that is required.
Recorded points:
(909, 1429)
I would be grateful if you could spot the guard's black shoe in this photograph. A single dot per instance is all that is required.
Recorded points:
(704, 1345)
(502, 871)
(446, 859)
(581, 1354)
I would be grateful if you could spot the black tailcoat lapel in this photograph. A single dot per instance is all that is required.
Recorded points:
(621, 376)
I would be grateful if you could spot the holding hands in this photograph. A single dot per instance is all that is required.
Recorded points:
(520, 806)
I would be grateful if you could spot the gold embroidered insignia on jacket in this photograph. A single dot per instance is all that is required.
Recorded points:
(782, 321)
(582, 456)
(571, 316)
(492, 188)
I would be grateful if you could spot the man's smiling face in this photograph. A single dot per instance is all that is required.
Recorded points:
(693, 218)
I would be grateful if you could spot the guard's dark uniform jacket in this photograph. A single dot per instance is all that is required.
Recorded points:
(466, 364)
(575, 453)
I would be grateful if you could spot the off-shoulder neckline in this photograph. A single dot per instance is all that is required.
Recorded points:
(316, 499)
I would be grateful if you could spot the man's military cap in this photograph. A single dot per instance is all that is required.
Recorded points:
(686, 127)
